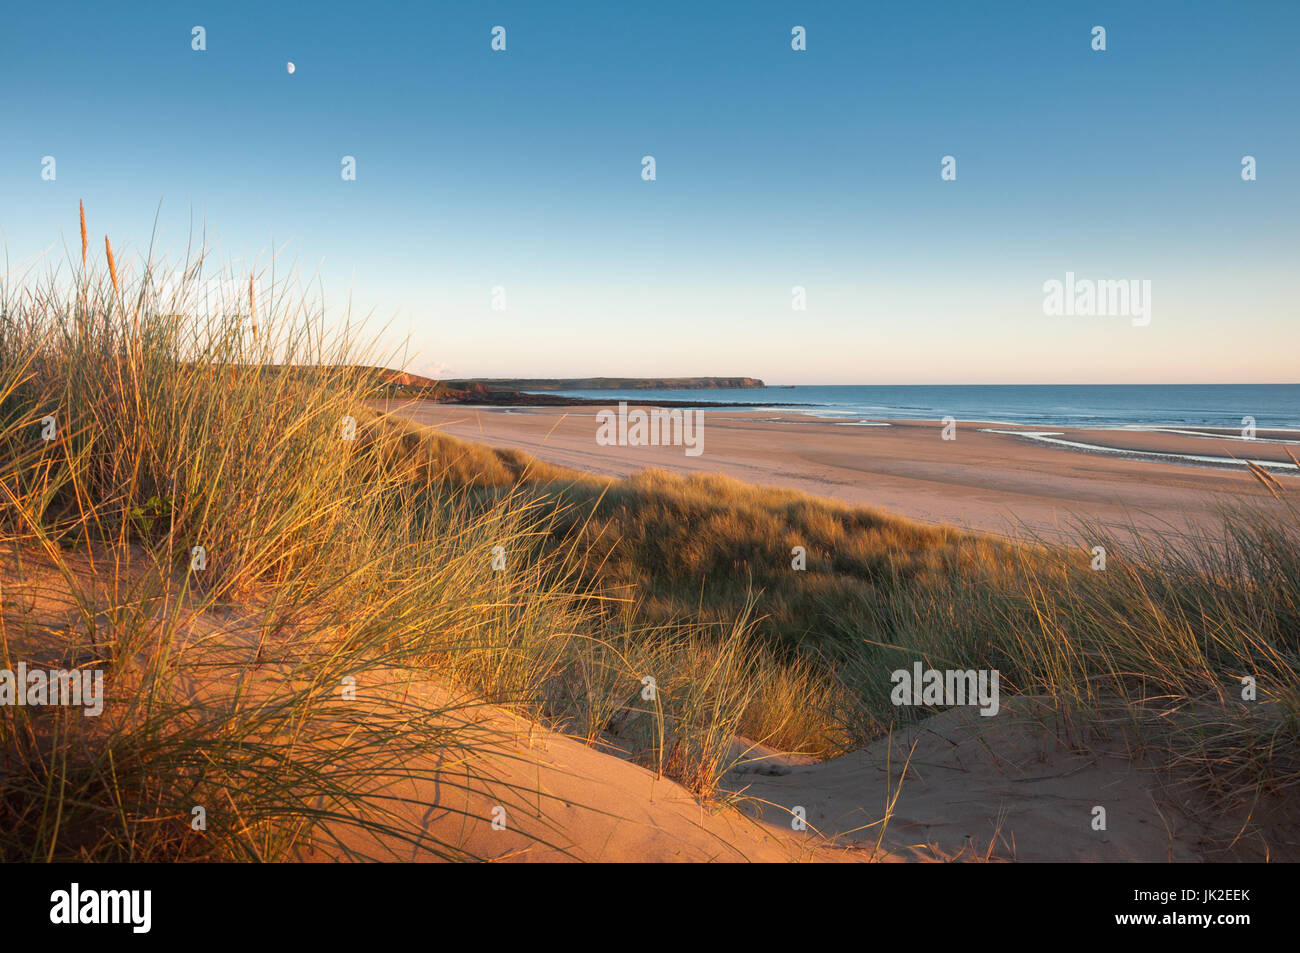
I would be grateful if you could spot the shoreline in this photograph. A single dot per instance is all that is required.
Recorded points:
(1273, 437)
(993, 478)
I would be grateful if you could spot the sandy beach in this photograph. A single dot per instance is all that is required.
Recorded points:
(993, 477)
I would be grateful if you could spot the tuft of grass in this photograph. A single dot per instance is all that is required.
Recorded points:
(202, 531)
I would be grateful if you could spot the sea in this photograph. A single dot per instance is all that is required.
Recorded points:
(1266, 406)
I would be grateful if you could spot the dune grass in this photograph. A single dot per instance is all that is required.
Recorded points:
(221, 525)
(1159, 642)
(194, 501)
(197, 502)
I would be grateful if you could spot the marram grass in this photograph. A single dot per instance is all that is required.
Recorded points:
(182, 424)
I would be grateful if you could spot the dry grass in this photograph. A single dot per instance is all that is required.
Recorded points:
(378, 559)
(1160, 641)
(201, 518)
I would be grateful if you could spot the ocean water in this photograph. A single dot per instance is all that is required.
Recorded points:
(1052, 405)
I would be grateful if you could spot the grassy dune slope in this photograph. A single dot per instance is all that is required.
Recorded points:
(1162, 642)
(246, 570)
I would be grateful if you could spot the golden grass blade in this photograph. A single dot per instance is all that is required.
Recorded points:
(112, 267)
(252, 306)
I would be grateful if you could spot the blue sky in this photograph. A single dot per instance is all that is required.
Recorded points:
(775, 168)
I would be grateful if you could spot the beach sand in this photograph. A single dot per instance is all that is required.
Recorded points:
(1005, 483)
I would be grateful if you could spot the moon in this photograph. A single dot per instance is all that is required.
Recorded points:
(291, 67)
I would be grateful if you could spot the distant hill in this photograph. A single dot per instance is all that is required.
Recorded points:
(610, 383)
(522, 391)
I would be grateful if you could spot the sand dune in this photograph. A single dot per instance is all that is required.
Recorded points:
(1024, 786)
(955, 786)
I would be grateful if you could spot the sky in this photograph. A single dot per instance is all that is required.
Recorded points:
(480, 169)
